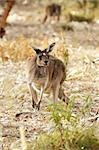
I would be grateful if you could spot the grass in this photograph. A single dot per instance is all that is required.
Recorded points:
(71, 129)
(69, 133)
(81, 138)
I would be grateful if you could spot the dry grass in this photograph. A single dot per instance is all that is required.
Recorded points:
(82, 80)
(19, 123)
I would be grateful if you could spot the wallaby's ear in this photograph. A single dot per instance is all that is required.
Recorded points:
(37, 50)
(50, 48)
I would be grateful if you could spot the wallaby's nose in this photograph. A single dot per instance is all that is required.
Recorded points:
(46, 62)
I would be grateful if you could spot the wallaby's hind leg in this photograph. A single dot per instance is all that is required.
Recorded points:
(45, 18)
(34, 96)
(58, 17)
(62, 96)
(55, 91)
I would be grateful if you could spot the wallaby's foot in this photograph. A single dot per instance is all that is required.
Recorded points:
(33, 104)
(38, 105)
(66, 100)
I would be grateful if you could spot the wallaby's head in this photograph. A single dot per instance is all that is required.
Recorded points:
(43, 56)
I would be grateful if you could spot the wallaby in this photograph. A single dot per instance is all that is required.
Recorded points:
(45, 73)
(53, 10)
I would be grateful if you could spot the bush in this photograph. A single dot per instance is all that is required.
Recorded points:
(69, 133)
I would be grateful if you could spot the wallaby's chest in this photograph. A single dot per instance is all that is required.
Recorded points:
(40, 78)
(40, 73)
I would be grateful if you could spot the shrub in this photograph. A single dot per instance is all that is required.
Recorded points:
(69, 133)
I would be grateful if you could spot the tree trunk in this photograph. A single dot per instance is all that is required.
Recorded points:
(8, 6)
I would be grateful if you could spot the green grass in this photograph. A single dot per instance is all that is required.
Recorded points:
(69, 133)
(80, 138)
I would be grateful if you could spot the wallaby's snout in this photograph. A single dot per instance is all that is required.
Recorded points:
(42, 59)
(46, 62)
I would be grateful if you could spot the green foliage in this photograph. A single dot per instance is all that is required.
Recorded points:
(68, 132)
(66, 55)
(87, 104)
(95, 3)
(88, 139)
(81, 18)
(48, 142)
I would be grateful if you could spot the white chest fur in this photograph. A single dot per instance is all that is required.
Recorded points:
(38, 90)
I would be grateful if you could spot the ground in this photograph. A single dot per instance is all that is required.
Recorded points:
(82, 42)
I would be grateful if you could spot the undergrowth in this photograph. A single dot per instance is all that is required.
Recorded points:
(70, 132)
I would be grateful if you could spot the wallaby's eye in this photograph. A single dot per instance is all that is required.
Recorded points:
(40, 57)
